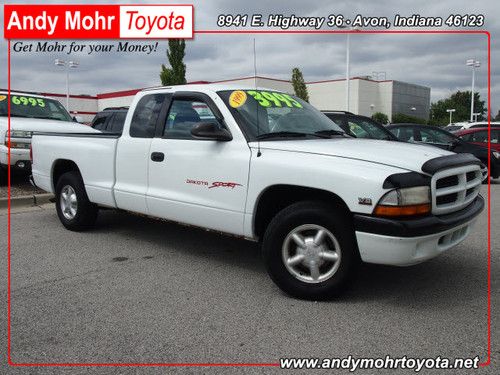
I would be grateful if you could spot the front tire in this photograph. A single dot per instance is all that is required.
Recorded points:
(73, 207)
(310, 250)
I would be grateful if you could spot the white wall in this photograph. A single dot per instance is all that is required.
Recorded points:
(328, 95)
(276, 85)
(385, 91)
(122, 101)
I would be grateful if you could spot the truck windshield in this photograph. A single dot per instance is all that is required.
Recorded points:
(33, 107)
(273, 115)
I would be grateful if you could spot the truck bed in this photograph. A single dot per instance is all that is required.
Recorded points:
(94, 153)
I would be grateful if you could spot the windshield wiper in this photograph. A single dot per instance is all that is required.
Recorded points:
(281, 134)
(288, 134)
(46, 118)
(329, 132)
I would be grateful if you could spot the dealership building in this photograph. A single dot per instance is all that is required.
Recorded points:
(367, 96)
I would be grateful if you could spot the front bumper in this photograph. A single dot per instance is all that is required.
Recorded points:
(19, 159)
(405, 242)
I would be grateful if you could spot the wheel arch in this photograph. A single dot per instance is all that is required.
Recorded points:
(276, 197)
(61, 166)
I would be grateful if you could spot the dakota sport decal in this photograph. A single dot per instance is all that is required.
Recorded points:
(215, 184)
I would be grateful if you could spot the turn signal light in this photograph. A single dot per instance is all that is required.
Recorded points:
(17, 144)
(412, 210)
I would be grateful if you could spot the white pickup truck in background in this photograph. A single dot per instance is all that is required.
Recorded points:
(29, 113)
(266, 166)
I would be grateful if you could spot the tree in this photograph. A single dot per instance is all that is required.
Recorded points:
(399, 118)
(380, 117)
(460, 101)
(299, 85)
(498, 116)
(176, 75)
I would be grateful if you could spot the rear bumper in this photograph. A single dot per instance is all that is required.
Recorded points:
(410, 241)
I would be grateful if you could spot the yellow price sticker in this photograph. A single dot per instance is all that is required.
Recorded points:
(274, 99)
(237, 98)
(28, 100)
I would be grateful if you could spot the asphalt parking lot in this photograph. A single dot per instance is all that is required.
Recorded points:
(142, 290)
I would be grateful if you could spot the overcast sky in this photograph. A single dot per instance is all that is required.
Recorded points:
(437, 61)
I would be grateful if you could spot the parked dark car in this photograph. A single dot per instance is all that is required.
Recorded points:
(455, 128)
(484, 125)
(360, 126)
(479, 136)
(110, 120)
(434, 136)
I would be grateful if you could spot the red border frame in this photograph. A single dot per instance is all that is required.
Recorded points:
(482, 364)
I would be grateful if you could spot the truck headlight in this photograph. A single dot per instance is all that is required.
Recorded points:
(20, 134)
(405, 202)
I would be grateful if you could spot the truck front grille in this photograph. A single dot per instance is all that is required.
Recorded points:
(454, 189)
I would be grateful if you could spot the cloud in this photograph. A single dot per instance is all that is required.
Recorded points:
(437, 60)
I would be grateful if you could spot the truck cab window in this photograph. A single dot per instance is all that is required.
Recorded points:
(117, 122)
(435, 136)
(146, 115)
(404, 133)
(184, 115)
(99, 122)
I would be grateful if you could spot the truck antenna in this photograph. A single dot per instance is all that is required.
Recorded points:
(259, 153)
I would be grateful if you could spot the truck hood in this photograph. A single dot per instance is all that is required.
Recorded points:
(396, 154)
(40, 125)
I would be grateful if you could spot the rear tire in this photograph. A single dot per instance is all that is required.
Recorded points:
(73, 207)
(304, 263)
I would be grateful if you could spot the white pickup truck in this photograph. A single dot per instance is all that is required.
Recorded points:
(267, 166)
(29, 113)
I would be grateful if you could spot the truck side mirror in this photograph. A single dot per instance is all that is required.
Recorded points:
(210, 131)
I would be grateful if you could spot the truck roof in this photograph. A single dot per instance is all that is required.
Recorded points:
(23, 94)
(211, 87)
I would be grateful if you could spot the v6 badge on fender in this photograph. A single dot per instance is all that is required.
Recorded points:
(365, 201)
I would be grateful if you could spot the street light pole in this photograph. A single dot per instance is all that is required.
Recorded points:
(474, 64)
(67, 65)
(450, 111)
(347, 63)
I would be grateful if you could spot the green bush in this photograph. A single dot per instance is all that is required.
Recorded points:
(380, 118)
(402, 118)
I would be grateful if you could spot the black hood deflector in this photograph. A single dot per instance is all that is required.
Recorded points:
(450, 161)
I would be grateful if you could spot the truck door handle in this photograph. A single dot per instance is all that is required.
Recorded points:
(157, 156)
